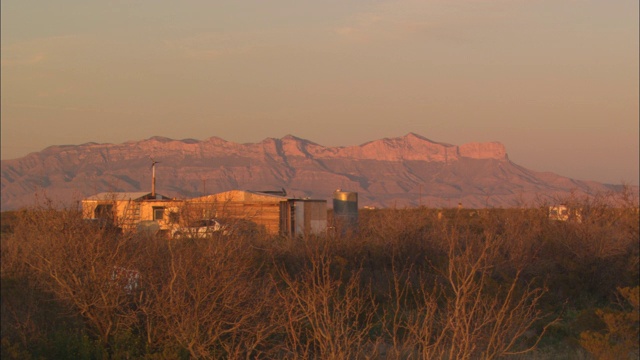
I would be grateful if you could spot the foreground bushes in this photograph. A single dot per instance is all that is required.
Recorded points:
(412, 283)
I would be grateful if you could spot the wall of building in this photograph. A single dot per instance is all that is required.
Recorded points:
(309, 217)
(277, 214)
(127, 214)
(262, 209)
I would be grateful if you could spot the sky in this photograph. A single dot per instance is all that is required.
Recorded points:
(555, 81)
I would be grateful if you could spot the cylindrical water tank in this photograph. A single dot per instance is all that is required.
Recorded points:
(345, 210)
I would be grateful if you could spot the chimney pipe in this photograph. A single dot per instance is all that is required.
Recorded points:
(153, 179)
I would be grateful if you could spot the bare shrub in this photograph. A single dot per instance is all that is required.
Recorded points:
(327, 313)
(75, 261)
(410, 325)
(620, 338)
(597, 252)
(210, 300)
(470, 311)
(25, 306)
(607, 224)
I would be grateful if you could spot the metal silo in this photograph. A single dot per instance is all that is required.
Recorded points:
(345, 210)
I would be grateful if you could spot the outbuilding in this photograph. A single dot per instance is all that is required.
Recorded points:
(277, 212)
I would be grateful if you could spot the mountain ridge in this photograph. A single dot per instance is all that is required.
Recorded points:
(409, 170)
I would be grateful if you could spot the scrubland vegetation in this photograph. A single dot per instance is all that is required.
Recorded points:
(410, 284)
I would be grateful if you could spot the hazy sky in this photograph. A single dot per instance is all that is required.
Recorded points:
(555, 81)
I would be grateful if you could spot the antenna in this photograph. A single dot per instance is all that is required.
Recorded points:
(153, 177)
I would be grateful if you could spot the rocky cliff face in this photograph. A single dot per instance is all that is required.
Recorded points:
(404, 171)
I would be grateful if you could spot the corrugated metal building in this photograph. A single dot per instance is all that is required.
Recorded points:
(278, 213)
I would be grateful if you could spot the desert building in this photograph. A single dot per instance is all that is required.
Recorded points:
(277, 212)
(130, 210)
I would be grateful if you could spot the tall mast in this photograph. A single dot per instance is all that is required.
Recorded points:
(153, 178)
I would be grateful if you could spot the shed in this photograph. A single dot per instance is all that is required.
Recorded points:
(279, 214)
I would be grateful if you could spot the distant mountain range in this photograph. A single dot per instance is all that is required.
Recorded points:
(403, 171)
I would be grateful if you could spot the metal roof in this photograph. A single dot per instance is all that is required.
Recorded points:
(123, 196)
(274, 194)
(267, 193)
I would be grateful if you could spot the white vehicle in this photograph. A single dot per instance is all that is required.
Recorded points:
(564, 213)
(199, 230)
